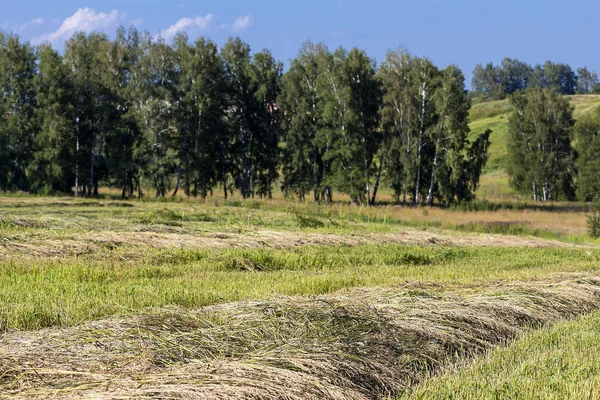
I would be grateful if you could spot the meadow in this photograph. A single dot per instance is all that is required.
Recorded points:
(281, 299)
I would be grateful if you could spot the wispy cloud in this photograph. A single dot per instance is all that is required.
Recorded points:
(85, 20)
(137, 22)
(27, 25)
(198, 23)
(243, 23)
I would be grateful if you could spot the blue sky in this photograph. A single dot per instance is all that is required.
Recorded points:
(462, 32)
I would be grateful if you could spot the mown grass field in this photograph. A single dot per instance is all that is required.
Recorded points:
(275, 299)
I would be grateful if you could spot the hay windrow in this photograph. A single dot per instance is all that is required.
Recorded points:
(41, 245)
(356, 344)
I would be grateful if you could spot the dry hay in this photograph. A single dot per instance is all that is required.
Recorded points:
(36, 244)
(357, 344)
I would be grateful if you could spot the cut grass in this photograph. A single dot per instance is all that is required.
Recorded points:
(360, 344)
(561, 362)
(75, 220)
(67, 292)
(268, 299)
(82, 260)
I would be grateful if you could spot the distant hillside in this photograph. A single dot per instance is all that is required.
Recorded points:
(494, 115)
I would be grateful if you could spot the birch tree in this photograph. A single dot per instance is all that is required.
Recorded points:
(398, 120)
(540, 154)
(154, 79)
(303, 120)
(17, 107)
(52, 169)
(587, 139)
(450, 135)
(267, 78)
(200, 115)
(426, 82)
(241, 109)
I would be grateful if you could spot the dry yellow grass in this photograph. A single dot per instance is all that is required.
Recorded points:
(358, 344)
(77, 244)
(69, 263)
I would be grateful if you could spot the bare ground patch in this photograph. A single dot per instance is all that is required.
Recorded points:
(356, 344)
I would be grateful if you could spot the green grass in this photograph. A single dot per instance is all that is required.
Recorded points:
(391, 294)
(494, 115)
(497, 150)
(66, 292)
(562, 362)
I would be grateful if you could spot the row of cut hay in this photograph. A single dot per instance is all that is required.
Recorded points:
(357, 344)
(40, 245)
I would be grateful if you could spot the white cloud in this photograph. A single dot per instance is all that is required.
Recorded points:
(243, 23)
(86, 20)
(30, 24)
(137, 22)
(198, 22)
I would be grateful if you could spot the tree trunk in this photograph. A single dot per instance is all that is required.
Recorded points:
(178, 181)
(242, 133)
(77, 169)
(378, 180)
(223, 167)
(251, 168)
(139, 187)
(91, 171)
(418, 181)
(420, 144)
(432, 183)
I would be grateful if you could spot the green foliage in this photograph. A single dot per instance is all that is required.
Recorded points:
(541, 159)
(587, 146)
(492, 82)
(302, 99)
(201, 131)
(352, 98)
(425, 117)
(587, 81)
(18, 124)
(53, 166)
(594, 221)
(136, 113)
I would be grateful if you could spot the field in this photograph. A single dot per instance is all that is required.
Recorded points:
(201, 299)
(273, 299)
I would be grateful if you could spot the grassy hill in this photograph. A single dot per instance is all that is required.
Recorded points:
(494, 115)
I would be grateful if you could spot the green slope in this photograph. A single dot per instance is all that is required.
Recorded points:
(494, 115)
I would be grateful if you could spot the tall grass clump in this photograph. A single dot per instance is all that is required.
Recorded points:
(594, 222)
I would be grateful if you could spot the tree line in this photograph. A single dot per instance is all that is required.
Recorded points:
(496, 82)
(138, 113)
(550, 155)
